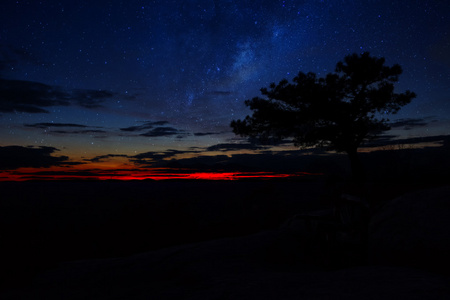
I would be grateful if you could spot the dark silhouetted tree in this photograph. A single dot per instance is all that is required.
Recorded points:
(338, 112)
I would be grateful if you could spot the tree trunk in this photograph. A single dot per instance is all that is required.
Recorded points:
(358, 174)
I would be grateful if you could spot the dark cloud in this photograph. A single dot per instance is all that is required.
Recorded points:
(35, 97)
(207, 133)
(314, 161)
(75, 175)
(233, 147)
(47, 125)
(65, 173)
(154, 155)
(10, 56)
(419, 140)
(106, 157)
(89, 98)
(67, 125)
(394, 140)
(289, 161)
(90, 131)
(14, 157)
(382, 139)
(29, 97)
(237, 162)
(164, 131)
(145, 126)
(149, 158)
(160, 123)
(409, 123)
(270, 141)
(202, 163)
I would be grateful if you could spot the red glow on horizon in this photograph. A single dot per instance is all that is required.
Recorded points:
(124, 175)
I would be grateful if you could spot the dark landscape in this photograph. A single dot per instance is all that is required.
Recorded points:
(197, 239)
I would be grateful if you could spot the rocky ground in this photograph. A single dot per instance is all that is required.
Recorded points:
(408, 241)
(237, 268)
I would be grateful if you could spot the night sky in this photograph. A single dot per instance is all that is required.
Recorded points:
(132, 87)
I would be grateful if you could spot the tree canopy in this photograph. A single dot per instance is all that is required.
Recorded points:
(339, 111)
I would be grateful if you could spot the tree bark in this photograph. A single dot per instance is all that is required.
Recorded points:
(358, 173)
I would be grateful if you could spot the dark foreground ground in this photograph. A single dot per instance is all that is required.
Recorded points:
(210, 240)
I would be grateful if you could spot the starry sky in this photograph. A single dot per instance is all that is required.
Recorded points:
(127, 87)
